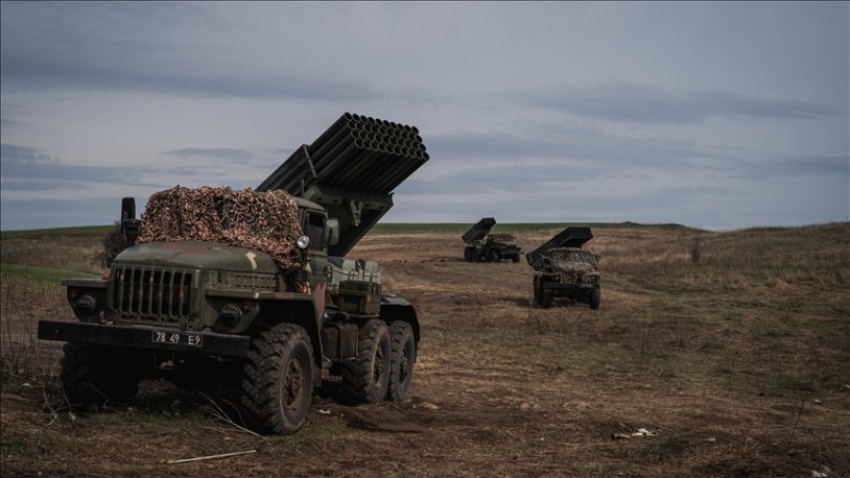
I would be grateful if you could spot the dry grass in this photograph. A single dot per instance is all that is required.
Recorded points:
(739, 361)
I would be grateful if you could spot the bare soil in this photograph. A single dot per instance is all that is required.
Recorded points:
(736, 364)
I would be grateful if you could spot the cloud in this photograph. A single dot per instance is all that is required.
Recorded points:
(218, 153)
(586, 112)
(652, 104)
(8, 125)
(836, 166)
(178, 49)
(21, 73)
(28, 173)
(24, 165)
(17, 158)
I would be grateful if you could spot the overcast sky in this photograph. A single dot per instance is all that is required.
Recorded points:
(712, 115)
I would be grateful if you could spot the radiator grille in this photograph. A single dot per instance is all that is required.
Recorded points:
(152, 293)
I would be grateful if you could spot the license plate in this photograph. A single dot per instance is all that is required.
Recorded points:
(176, 338)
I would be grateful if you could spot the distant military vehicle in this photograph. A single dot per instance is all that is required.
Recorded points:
(563, 269)
(483, 246)
(251, 287)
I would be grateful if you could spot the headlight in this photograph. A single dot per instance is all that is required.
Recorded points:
(85, 308)
(87, 304)
(303, 242)
(230, 315)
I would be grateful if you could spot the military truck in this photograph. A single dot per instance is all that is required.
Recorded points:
(252, 288)
(563, 269)
(480, 245)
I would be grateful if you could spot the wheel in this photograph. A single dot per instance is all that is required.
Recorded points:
(535, 301)
(277, 387)
(515, 258)
(365, 379)
(495, 256)
(595, 297)
(469, 254)
(96, 375)
(545, 297)
(403, 356)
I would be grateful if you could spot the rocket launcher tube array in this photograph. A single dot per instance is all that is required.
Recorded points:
(351, 169)
(569, 237)
(479, 230)
(341, 157)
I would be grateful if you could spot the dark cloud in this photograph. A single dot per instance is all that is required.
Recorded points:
(21, 162)
(24, 73)
(796, 166)
(13, 157)
(27, 169)
(151, 48)
(7, 125)
(649, 104)
(491, 145)
(596, 148)
(219, 153)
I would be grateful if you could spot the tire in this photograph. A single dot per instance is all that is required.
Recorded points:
(277, 388)
(365, 379)
(469, 254)
(545, 297)
(535, 300)
(94, 375)
(495, 256)
(595, 297)
(515, 258)
(403, 357)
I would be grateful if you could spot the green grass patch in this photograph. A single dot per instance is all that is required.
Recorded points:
(63, 231)
(10, 273)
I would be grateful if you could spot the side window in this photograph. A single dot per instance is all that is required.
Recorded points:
(316, 230)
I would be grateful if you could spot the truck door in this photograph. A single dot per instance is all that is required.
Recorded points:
(314, 228)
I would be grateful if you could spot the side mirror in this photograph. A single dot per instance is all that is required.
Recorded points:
(130, 226)
(131, 229)
(332, 231)
(128, 208)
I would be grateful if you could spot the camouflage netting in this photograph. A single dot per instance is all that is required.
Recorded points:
(265, 221)
(571, 260)
(571, 266)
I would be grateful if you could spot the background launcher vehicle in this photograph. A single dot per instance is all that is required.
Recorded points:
(483, 246)
(563, 269)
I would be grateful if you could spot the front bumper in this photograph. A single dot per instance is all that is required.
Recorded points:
(569, 290)
(210, 343)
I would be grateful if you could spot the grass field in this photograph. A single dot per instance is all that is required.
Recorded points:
(731, 348)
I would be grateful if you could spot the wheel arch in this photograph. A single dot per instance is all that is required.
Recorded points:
(394, 308)
(300, 312)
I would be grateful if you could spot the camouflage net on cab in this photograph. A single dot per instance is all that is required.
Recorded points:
(265, 221)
